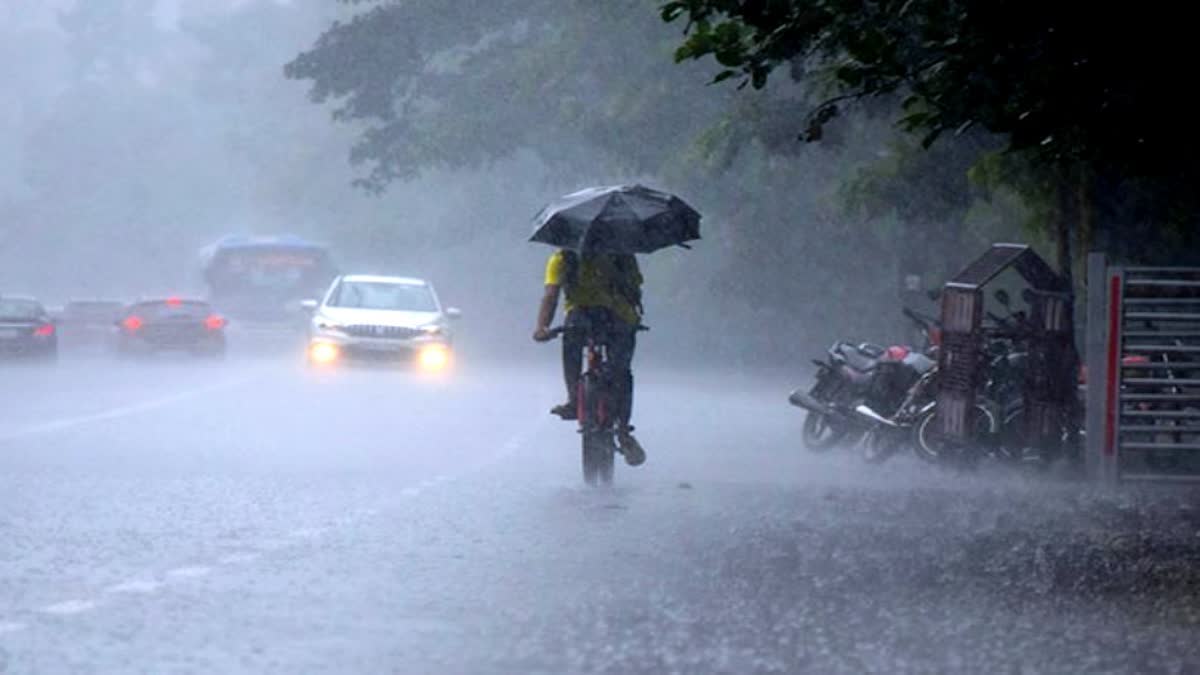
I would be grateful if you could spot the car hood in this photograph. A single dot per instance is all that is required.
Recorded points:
(379, 317)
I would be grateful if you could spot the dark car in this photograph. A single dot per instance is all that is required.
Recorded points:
(85, 324)
(171, 324)
(26, 329)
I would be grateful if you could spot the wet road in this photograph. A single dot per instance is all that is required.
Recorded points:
(250, 516)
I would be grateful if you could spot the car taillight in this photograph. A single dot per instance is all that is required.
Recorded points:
(132, 323)
(214, 322)
(44, 330)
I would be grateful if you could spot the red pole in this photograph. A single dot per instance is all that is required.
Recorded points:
(1114, 366)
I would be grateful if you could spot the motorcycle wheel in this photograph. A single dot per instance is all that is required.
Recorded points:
(933, 450)
(821, 433)
(1014, 450)
(881, 445)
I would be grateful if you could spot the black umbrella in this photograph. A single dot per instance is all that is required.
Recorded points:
(617, 219)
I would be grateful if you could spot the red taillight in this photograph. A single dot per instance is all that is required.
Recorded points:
(214, 322)
(44, 330)
(174, 302)
(132, 323)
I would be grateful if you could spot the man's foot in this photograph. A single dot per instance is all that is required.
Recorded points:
(567, 411)
(634, 454)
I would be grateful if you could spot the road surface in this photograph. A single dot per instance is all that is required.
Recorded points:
(252, 516)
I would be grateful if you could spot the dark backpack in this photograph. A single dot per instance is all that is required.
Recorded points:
(624, 284)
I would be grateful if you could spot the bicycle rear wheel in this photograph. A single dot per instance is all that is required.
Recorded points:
(599, 443)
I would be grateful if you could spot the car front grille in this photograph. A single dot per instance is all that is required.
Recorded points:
(390, 332)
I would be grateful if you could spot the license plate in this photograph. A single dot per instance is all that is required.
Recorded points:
(9, 333)
(383, 346)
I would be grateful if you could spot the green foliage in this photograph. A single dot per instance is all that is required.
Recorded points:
(591, 90)
(434, 86)
(1072, 91)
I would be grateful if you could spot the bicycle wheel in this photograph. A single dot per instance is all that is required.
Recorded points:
(599, 444)
(598, 452)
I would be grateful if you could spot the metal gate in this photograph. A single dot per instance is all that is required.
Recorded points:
(1143, 365)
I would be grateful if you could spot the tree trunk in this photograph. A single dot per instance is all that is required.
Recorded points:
(1068, 215)
(1086, 209)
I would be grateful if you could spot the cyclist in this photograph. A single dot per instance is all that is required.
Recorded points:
(603, 297)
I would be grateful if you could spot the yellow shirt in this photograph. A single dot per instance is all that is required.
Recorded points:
(597, 285)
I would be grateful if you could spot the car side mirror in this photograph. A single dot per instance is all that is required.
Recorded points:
(308, 305)
(453, 313)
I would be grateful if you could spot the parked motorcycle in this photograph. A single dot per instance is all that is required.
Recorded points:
(999, 417)
(858, 385)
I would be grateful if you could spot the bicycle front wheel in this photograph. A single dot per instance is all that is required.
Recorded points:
(599, 450)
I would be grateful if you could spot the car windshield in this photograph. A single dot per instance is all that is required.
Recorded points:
(383, 295)
(20, 309)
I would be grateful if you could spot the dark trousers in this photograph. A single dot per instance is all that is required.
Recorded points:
(618, 336)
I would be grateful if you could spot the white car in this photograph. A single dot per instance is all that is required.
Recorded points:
(380, 318)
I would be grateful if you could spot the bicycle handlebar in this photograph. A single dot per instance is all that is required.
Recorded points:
(557, 331)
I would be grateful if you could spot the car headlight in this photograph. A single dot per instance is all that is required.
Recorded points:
(432, 329)
(433, 358)
(323, 353)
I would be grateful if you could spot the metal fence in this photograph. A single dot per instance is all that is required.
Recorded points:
(1143, 364)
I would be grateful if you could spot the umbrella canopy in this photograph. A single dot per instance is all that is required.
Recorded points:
(617, 219)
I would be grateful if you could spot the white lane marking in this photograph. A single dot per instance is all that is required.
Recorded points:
(118, 412)
(135, 586)
(69, 607)
(235, 558)
(189, 572)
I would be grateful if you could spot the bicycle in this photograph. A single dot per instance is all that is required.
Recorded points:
(595, 401)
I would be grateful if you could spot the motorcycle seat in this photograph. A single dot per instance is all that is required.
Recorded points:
(863, 358)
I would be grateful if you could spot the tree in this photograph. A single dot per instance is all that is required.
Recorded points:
(590, 92)
(434, 85)
(1082, 100)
